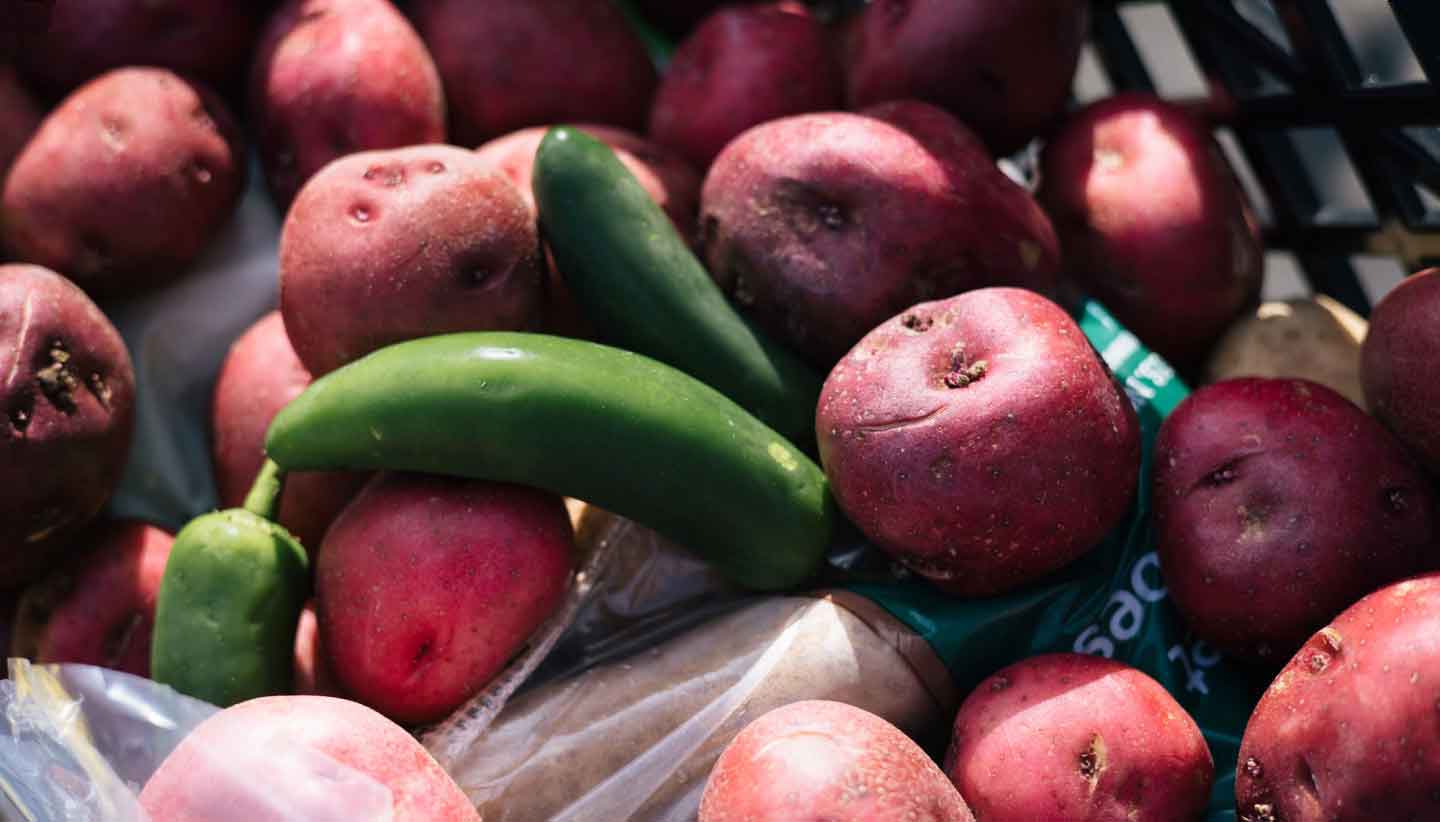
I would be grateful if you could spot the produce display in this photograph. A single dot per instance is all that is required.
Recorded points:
(579, 410)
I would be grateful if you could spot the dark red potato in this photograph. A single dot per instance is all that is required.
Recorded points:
(1348, 731)
(821, 226)
(822, 761)
(63, 43)
(125, 183)
(1153, 223)
(19, 117)
(508, 64)
(1081, 739)
(100, 608)
(1004, 68)
(333, 77)
(259, 376)
(744, 65)
(67, 396)
(979, 440)
(384, 246)
(1397, 364)
(1277, 504)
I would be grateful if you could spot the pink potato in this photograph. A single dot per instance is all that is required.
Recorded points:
(822, 761)
(1277, 503)
(979, 440)
(100, 608)
(508, 64)
(19, 117)
(1347, 732)
(302, 757)
(258, 377)
(63, 43)
(67, 410)
(1081, 739)
(744, 65)
(821, 226)
(1153, 223)
(667, 178)
(125, 183)
(312, 667)
(1004, 68)
(1397, 365)
(333, 77)
(384, 246)
(428, 585)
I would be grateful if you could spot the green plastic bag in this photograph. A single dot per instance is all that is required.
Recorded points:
(1112, 603)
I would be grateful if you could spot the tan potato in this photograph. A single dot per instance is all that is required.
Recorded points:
(1315, 339)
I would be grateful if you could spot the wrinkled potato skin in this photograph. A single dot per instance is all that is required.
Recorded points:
(822, 226)
(508, 64)
(1078, 738)
(1277, 504)
(1397, 364)
(979, 487)
(1347, 732)
(125, 183)
(65, 426)
(823, 761)
(333, 77)
(1005, 68)
(384, 246)
(1315, 339)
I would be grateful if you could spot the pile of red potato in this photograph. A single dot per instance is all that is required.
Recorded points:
(837, 176)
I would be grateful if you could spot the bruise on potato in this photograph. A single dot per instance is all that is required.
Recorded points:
(1278, 503)
(1350, 729)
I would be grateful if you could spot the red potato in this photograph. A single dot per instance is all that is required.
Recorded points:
(125, 183)
(1003, 68)
(428, 585)
(667, 178)
(821, 226)
(312, 667)
(333, 77)
(1347, 732)
(63, 43)
(19, 117)
(508, 64)
(384, 246)
(744, 65)
(1153, 223)
(1277, 503)
(979, 440)
(1397, 364)
(259, 376)
(302, 757)
(822, 761)
(1081, 739)
(100, 608)
(67, 396)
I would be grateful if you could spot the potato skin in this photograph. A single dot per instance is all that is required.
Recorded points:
(67, 400)
(1079, 738)
(743, 66)
(1347, 732)
(125, 183)
(508, 64)
(979, 440)
(333, 77)
(1278, 503)
(384, 246)
(1397, 364)
(1003, 68)
(1315, 338)
(259, 376)
(821, 226)
(823, 761)
(1153, 223)
(73, 41)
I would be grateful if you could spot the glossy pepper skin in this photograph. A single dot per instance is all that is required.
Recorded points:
(636, 278)
(230, 601)
(616, 429)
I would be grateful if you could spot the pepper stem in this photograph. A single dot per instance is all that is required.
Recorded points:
(264, 497)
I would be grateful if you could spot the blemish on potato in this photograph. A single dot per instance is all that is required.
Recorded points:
(360, 213)
(1093, 761)
(1029, 254)
(1253, 768)
(1260, 813)
(1331, 639)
